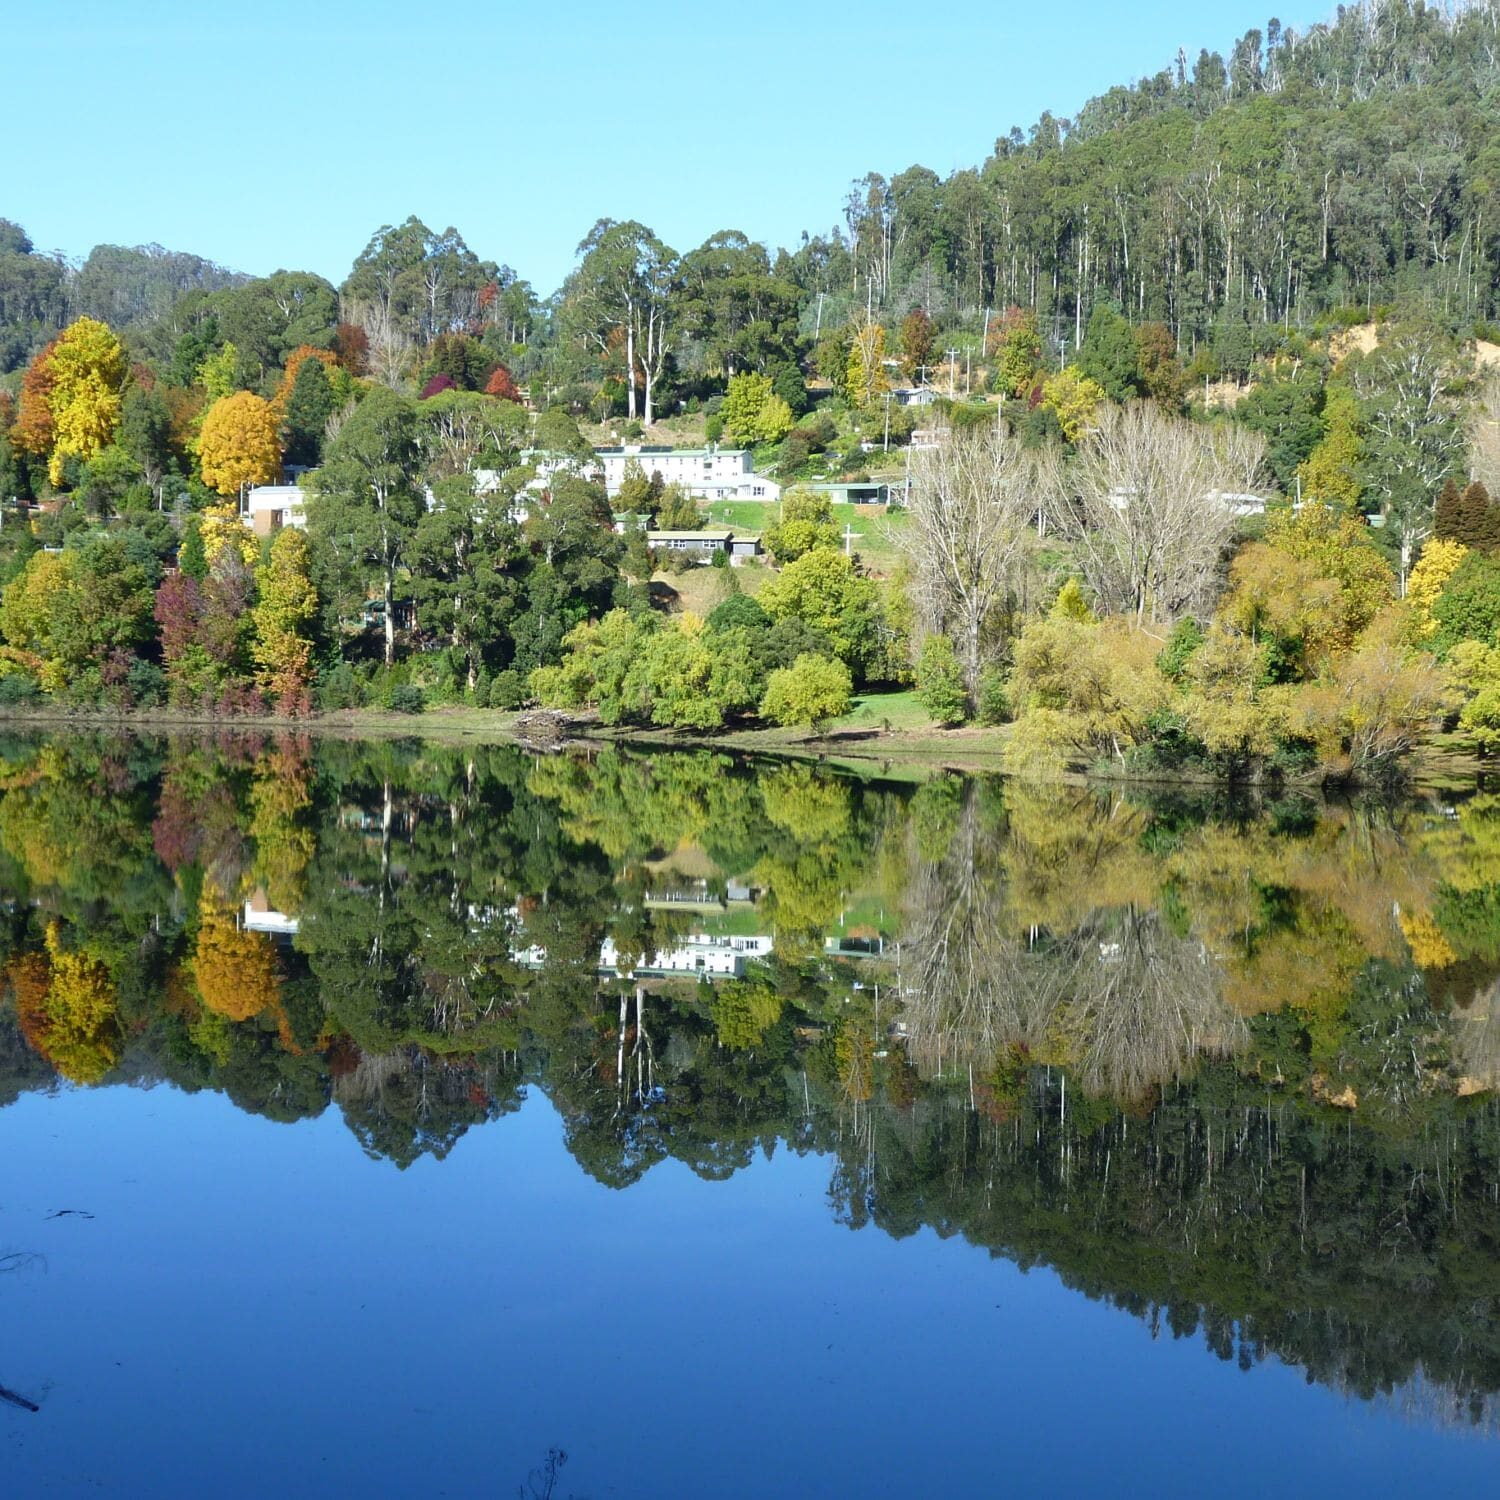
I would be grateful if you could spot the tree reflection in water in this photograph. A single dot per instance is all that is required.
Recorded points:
(1227, 1064)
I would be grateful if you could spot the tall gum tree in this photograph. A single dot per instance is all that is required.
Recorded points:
(368, 498)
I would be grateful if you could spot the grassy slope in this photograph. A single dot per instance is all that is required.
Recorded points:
(877, 533)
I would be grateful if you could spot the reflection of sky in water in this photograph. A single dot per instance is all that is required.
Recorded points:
(260, 1309)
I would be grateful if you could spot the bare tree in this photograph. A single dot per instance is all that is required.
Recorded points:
(1147, 502)
(972, 502)
(390, 343)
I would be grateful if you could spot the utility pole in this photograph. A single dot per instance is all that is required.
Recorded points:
(953, 372)
(818, 332)
(887, 445)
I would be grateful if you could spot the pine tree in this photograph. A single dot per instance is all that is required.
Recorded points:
(1472, 519)
(1476, 502)
(1447, 514)
(192, 559)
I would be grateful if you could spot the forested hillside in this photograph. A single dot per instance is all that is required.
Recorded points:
(1349, 164)
(1344, 165)
(1144, 340)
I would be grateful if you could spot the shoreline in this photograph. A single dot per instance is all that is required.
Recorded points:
(969, 749)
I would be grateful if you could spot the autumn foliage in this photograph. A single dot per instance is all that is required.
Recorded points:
(294, 362)
(236, 970)
(88, 369)
(502, 384)
(65, 1004)
(239, 443)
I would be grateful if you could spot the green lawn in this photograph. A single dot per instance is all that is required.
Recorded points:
(743, 515)
(877, 534)
(876, 710)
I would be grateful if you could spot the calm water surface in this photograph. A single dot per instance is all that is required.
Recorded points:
(378, 1118)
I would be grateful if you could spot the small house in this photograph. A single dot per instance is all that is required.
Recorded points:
(269, 507)
(861, 492)
(699, 546)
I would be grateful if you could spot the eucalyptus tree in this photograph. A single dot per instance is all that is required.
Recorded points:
(368, 498)
(625, 292)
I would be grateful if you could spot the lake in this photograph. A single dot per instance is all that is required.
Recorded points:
(382, 1118)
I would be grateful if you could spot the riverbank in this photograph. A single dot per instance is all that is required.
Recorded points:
(889, 732)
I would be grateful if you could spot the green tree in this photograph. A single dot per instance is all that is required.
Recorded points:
(1020, 354)
(1288, 414)
(823, 589)
(812, 690)
(462, 583)
(940, 681)
(1468, 609)
(804, 522)
(367, 500)
(1109, 356)
(311, 403)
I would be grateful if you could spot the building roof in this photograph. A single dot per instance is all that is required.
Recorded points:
(708, 534)
(661, 450)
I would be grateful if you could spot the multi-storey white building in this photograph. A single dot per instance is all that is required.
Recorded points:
(697, 953)
(705, 473)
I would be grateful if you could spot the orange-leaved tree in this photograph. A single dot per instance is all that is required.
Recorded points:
(33, 432)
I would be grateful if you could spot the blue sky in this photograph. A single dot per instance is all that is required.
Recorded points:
(282, 134)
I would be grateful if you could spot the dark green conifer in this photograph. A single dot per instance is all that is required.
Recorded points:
(1447, 515)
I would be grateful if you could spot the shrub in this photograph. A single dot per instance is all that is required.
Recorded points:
(1480, 719)
(19, 687)
(338, 688)
(508, 690)
(940, 684)
(406, 698)
(146, 684)
(994, 697)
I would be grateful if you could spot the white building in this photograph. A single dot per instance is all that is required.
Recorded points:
(704, 473)
(261, 916)
(698, 953)
(722, 957)
(269, 507)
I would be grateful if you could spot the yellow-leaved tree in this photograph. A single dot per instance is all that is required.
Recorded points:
(1438, 563)
(239, 444)
(1330, 473)
(865, 379)
(87, 370)
(81, 1035)
(236, 969)
(1074, 398)
(283, 623)
(221, 528)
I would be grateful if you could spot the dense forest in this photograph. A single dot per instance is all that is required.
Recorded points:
(1209, 366)
(1087, 1041)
